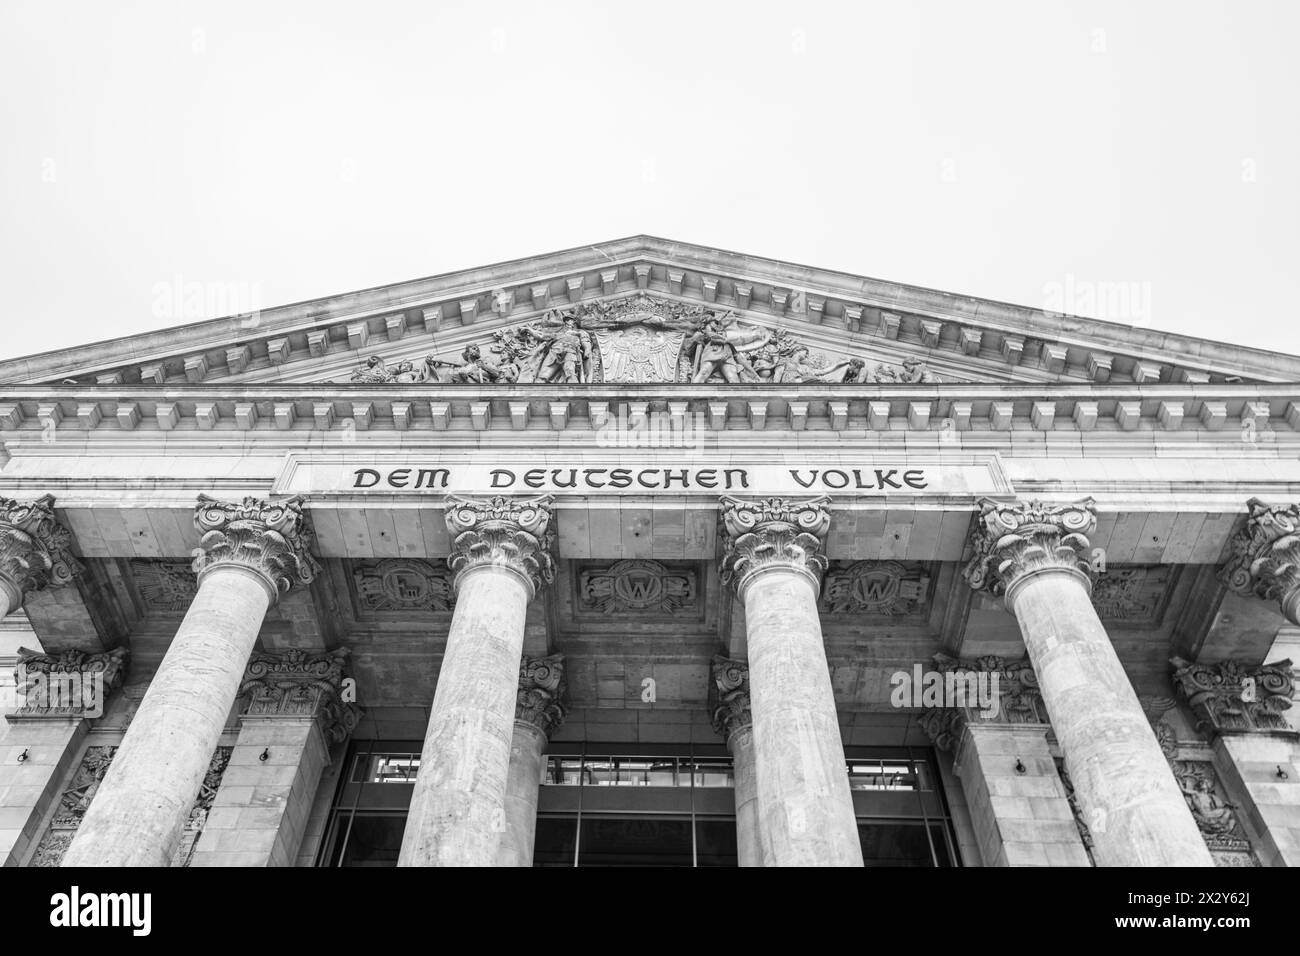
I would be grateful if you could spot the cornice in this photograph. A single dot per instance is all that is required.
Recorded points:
(1230, 413)
(996, 337)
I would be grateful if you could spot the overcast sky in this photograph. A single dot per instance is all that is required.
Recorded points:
(1134, 161)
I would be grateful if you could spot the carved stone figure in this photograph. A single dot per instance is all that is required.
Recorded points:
(719, 348)
(912, 372)
(475, 369)
(640, 339)
(795, 367)
(375, 370)
(565, 354)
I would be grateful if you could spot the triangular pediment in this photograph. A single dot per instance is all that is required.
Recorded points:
(651, 311)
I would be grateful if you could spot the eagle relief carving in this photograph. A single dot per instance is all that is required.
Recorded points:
(639, 339)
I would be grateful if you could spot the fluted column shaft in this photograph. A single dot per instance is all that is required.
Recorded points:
(500, 558)
(1130, 801)
(773, 559)
(250, 553)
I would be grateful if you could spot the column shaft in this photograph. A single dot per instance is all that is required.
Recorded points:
(140, 809)
(1130, 800)
(522, 783)
(749, 827)
(458, 811)
(804, 799)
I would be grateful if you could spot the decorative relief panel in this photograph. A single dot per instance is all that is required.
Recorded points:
(198, 817)
(874, 587)
(639, 339)
(637, 586)
(1215, 816)
(1135, 595)
(164, 587)
(73, 804)
(402, 584)
(1080, 824)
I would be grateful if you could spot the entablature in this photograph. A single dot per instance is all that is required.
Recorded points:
(1238, 414)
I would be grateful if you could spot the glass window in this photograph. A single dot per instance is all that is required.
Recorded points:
(619, 840)
(887, 843)
(368, 839)
(664, 808)
(555, 841)
(715, 842)
(712, 773)
(386, 768)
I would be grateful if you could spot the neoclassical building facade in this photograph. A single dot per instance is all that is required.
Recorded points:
(650, 554)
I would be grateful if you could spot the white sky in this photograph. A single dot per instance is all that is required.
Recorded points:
(274, 152)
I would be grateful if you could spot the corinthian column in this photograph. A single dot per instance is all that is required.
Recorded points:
(733, 720)
(1035, 555)
(773, 559)
(541, 706)
(501, 559)
(1266, 556)
(249, 553)
(35, 551)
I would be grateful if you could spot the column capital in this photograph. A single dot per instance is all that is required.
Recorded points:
(35, 550)
(764, 533)
(1265, 558)
(729, 709)
(1232, 697)
(543, 698)
(1013, 540)
(298, 683)
(71, 684)
(992, 691)
(270, 539)
(505, 532)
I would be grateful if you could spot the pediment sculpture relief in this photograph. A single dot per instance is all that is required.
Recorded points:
(639, 340)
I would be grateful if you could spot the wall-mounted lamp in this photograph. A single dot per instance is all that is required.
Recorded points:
(23, 756)
(1281, 774)
(266, 754)
(1020, 767)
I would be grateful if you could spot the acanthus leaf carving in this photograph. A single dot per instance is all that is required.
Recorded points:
(501, 531)
(68, 684)
(1232, 697)
(1013, 539)
(763, 533)
(300, 684)
(35, 550)
(543, 696)
(1265, 557)
(729, 706)
(269, 538)
(1019, 699)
